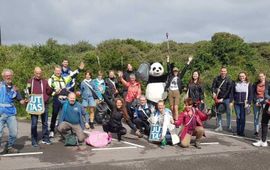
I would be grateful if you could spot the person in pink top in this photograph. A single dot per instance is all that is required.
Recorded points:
(133, 91)
(191, 119)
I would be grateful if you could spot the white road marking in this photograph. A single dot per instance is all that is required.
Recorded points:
(115, 148)
(210, 143)
(22, 154)
(133, 144)
(233, 136)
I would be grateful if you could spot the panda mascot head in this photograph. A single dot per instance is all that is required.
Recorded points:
(156, 70)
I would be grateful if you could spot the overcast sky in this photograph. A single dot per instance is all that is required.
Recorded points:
(69, 21)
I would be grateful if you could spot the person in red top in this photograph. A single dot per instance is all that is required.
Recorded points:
(38, 85)
(191, 119)
(133, 91)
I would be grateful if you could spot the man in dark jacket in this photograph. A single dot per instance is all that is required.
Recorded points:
(221, 89)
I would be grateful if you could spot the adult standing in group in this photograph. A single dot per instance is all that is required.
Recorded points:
(174, 86)
(88, 98)
(195, 90)
(265, 120)
(221, 90)
(241, 97)
(112, 86)
(126, 77)
(38, 85)
(9, 93)
(59, 85)
(259, 89)
(66, 71)
(133, 91)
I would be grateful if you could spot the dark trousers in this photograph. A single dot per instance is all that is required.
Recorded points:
(140, 124)
(56, 108)
(240, 118)
(265, 120)
(34, 122)
(119, 130)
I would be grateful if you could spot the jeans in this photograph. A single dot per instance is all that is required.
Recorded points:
(34, 122)
(228, 115)
(257, 111)
(12, 126)
(264, 122)
(240, 118)
(56, 109)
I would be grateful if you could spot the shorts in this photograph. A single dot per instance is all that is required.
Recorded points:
(174, 96)
(90, 102)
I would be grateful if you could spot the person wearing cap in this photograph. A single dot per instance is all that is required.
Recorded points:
(174, 86)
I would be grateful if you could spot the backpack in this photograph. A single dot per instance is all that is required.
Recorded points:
(98, 139)
(71, 140)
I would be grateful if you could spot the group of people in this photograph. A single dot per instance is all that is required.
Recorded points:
(126, 100)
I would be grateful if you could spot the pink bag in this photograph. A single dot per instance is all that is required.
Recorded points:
(98, 139)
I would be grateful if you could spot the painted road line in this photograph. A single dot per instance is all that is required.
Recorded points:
(22, 154)
(115, 148)
(210, 143)
(248, 122)
(233, 136)
(133, 144)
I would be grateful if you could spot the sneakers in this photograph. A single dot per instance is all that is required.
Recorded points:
(219, 129)
(10, 150)
(51, 134)
(47, 142)
(87, 126)
(260, 143)
(138, 133)
(256, 134)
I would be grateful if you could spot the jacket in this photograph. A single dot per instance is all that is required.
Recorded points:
(40, 86)
(254, 90)
(184, 120)
(75, 109)
(225, 89)
(240, 92)
(196, 92)
(179, 78)
(7, 96)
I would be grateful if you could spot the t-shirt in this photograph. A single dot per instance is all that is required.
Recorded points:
(173, 85)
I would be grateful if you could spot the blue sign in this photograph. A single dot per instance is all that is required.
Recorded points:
(35, 105)
(155, 133)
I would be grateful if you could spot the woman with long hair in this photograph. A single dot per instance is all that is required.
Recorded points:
(241, 96)
(195, 90)
(114, 125)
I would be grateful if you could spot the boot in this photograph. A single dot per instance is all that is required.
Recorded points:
(197, 144)
(92, 125)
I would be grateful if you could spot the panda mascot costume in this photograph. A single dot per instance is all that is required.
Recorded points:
(154, 75)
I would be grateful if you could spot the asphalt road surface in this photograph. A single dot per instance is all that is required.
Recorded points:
(222, 150)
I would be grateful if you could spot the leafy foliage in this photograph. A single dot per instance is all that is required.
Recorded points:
(223, 49)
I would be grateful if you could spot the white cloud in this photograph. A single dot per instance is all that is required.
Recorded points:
(68, 21)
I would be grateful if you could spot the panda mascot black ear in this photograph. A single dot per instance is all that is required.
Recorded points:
(143, 71)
